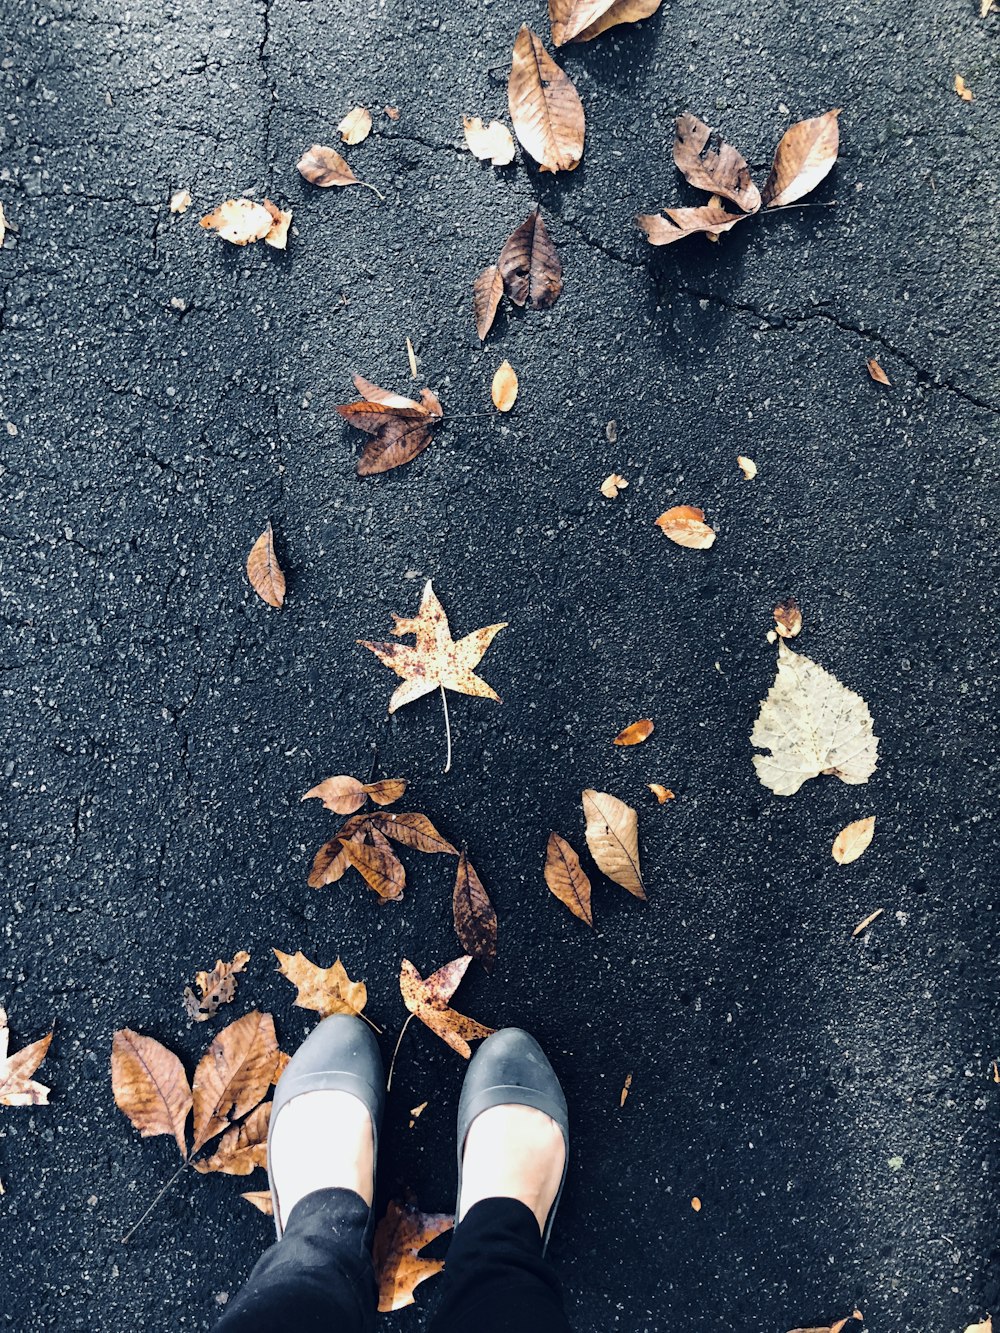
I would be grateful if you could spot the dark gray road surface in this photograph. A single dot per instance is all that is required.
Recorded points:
(830, 1100)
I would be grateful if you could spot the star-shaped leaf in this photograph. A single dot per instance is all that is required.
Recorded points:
(427, 999)
(17, 1087)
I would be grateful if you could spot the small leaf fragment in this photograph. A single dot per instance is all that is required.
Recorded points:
(411, 357)
(685, 525)
(862, 926)
(853, 840)
(567, 879)
(493, 142)
(215, 988)
(788, 618)
(876, 372)
(281, 220)
(963, 89)
(747, 466)
(635, 733)
(503, 390)
(356, 125)
(180, 201)
(612, 485)
(626, 1089)
(265, 574)
(662, 794)
(261, 1200)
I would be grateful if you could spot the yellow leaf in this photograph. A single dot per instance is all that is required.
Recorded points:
(504, 388)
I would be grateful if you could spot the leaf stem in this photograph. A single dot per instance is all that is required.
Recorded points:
(374, 1026)
(392, 1063)
(447, 728)
(368, 186)
(136, 1225)
(780, 208)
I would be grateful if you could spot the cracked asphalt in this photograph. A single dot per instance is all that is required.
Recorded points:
(162, 396)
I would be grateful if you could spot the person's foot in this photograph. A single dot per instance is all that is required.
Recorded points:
(321, 1140)
(513, 1152)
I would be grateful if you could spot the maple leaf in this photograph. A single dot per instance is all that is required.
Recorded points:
(428, 1001)
(400, 427)
(398, 1267)
(435, 660)
(17, 1087)
(325, 990)
(215, 988)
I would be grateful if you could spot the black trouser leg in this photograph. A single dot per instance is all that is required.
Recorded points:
(495, 1279)
(317, 1279)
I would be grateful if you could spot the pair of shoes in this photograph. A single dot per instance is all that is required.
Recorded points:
(341, 1055)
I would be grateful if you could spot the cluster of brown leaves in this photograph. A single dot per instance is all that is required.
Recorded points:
(528, 271)
(242, 222)
(226, 1096)
(400, 427)
(612, 835)
(804, 156)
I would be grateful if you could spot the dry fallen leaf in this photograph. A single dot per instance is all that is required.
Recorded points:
(428, 1001)
(4, 226)
(986, 1326)
(567, 879)
(583, 20)
(804, 156)
(836, 1327)
(613, 839)
(747, 466)
(398, 1267)
(329, 864)
(674, 224)
(233, 1075)
(324, 166)
(493, 142)
(180, 201)
(264, 572)
(812, 724)
(529, 264)
(685, 525)
(239, 221)
(709, 164)
(325, 990)
(662, 794)
(545, 107)
(400, 427)
(281, 220)
(344, 795)
(696, 1204)
(242, 1148)
(635, 733)
(392, 112)
(378, 864)
(17, 1087)
(475, 918)
(862, 926)
(215, 988)
(356, 125)
(487, 292)
(150, 1086)
(412, 830)
(611, 486)
(876, 372)
(261, 1200)
(503, 390)
(626, 1089)
(853, 840)
(788, 618)
(963, 89)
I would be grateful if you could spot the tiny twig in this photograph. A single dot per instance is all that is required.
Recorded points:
(135, 1227)
(369, 186)
(374, 768)
(780, 208)
(447, 728)
(392, 1063)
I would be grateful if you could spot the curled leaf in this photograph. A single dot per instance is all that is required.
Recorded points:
(613, 839)
(853, 841)
(529, 264)
(493, 142)
(804, 156)
(674, 224)
(747, 466)
(635, 733)
(545, 107)
(567, 879)
(612, 485)
(356, 125)
(685, 525)
(709, 164)
(281, 220)
(265, 574)
(788, 618)
(877, 373)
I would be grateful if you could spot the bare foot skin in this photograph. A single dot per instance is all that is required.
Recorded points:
(513, 1152)
(322, 1140)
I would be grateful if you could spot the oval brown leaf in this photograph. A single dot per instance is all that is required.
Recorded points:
(788, 618)
(544, 106)
(413, 830)
(475, 918)
(853, 841)
(329, 864)
(805, 155)
(503, 390)
(379, 867)
(635, 733)
(877, 373)
(341, 794)
(487, 291)
(529, 264)
(386, 791)
(567, 879)
(709, 164)
(233, 1075)
(150, 1086)
(620, 11)
(613, 839)
(685, 525)
(324, 167)
(674, 224)
(263, 570)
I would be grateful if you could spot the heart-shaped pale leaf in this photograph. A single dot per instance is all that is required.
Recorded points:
(709, 164)
(233, 1075)
(544, 106)
(811, 724)
(398, 1267)
(852, 841)
(567, 879)
(613, 839)
(804, 156)
(150, 1086)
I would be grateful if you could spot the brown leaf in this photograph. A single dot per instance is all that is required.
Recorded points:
(412, 830)
(263, 570)
(492, 142)
(612, 485)
(877, 373)
(804, 156)
(17, 1087)
(386, 791)
(261, 1200)
(853, 840)
(392, 112)
(398, 1267)
(150, 1086)
(475, 919)
(379, 867)
(963, 89)
(239, 221)
(613, 839)
(325, 990)
(428, 1001)
(356, 125)
(400, 426)
(544, 106)
(324, 166)
(709, 164)
(215, 988)
(487, 291)
(341, 794)
(685, 525)
(788, 618)
(242, 1148)
(233, 1075)
(626, 1089)
(435, 660)
(609, 14)
(503, 390)
(662, 794)
(836, 1327)
(567, 879)
(674, 224)
(635, 733)
(529, 264)
(330, 864)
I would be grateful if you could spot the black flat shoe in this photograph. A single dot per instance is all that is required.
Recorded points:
(339, 1055)
(510, 1069)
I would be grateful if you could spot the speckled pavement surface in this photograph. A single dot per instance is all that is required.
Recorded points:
(829, 1099)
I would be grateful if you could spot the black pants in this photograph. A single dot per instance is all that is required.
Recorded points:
(319, 1279)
